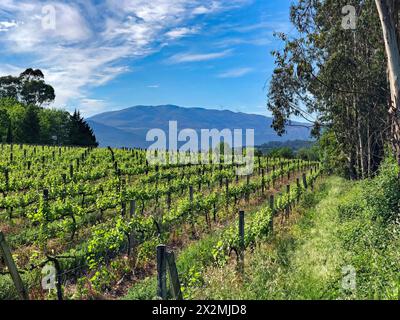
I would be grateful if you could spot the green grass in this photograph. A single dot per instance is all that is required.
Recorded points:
(191, 263)
(339, 229)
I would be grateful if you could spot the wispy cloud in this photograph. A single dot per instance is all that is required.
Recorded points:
(7, 25)
(270, 25)
(178, 33)
(89, 107)
(198, 57)
(153, 86)
(92, 39)
(235, 73)
(229, 42)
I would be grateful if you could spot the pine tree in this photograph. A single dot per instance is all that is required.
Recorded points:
(30, 125)
(80, 132)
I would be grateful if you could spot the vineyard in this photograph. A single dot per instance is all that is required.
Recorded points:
(97, 215)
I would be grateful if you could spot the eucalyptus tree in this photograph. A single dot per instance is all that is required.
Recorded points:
(389, 13)
(333, 75)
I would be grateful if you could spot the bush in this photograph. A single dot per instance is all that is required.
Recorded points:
(370, 233)
(382, 194)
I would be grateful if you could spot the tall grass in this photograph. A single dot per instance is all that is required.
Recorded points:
(343, 226)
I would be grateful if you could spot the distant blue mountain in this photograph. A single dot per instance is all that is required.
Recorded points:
(128, 127)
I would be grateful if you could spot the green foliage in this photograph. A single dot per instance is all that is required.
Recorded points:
(382, 194)
(284, 152)
(54, 123)
(28, 88)
(30, 125)
(371, 233)
(343, 225)
(308, 154)
(80, 132)
(331, 155)
(23, 120)
(21, 123)
(81, 219)
(295, 145)
(335, 79)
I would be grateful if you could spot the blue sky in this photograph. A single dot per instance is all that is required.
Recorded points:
(109, 54)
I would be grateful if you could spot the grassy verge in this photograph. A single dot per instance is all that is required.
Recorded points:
(294, 263)
(212, 249)
(342, 243)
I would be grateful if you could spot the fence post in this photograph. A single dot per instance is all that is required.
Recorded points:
(227, 192)
(173, 274)
(132, 208)
(241, 242)
(298, 190)
(215, 212)
(247, 191)
(191, 194)
(272, 207)
(12, 268)
(288, 206)
(161, 272)
(263, 181)
(305, 181)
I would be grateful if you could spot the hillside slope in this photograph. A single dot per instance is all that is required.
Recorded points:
(339, 245)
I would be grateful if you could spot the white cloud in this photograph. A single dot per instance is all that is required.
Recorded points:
(229, 42)
(153, 86)
(235, 73)
(90, 107)
(7, 25)
(277, 26)
(197, 57)
(92, 40)
(201, 10)
(8, 69)
(178, 33)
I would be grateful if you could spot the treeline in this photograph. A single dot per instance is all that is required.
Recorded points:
(300, 149)
(334, 74)
(23, 119)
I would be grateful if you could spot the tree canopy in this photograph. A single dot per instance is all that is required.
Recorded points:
(23, 119)
(336, 79)
(28, 88)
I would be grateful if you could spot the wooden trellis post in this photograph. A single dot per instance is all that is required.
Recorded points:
(298, 190)
(263, 181)
(161, 272)
(227, 192)
(241, 242)
(305, 181)
(272, 207)
(132, 208)
(288, 206)
(12, 268)
(166, 260)
(173, 275)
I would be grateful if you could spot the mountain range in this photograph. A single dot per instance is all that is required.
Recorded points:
(129, 127)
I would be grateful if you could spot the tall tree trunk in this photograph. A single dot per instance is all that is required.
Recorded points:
(389, 16)
(361, 148)
(369, 169)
